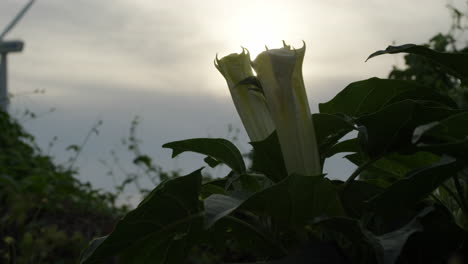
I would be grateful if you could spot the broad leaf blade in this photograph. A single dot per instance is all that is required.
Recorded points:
(161, 223)
(391, 128)
(449, 135)
(268, 159)
(368, 96)
(218, 206)
(454, 63)
(328, 130)
(296, 199)
(217, 148)
(408, 191)
(393, 166)
(355, 195)
(328, 125)
(387, 247)
(349, 145)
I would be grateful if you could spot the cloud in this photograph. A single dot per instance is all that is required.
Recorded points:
(114, 59)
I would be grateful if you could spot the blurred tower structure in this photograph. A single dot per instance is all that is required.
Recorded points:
(5, 48)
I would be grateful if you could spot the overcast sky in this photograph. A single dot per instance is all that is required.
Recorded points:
(112, 60)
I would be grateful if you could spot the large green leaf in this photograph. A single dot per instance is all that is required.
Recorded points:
(393, 166)
(328, 125)
(355, 196)
(217, 148)
(391, 128)
(416, 186)
(160, 230)
(231, 236)
(268, 159)
(294, 200)
(329, 128)
(387, 247)
(454, 63)
(318, 252)
(368, 96)
(449, 135)
(349, 145)
(440, 240)
(218, 206)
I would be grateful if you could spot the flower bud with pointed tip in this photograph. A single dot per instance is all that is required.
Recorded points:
(280, 74)
(250, 104)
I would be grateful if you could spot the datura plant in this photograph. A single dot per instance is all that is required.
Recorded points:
(280, 74)
(277, 100)
(250, 105)
(405, 202)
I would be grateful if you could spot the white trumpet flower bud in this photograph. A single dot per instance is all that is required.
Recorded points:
(250, 104)
(280, 74)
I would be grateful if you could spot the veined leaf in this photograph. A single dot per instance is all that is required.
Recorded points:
(218, 206)
(328, 125)
(268, 158)
(416, 186)
(392, 167)
(369, 96)
(317, 252)
(454, 63)
(355, 195)
(329, 128)
(387, 247)
(162, 224)
(218, 148)
(449, 136)
(349, 145)
(391, 128)
(294, 200)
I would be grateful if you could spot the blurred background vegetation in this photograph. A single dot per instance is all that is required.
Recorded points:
(48, 216)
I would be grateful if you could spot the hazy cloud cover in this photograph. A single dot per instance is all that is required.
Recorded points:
(115, 59)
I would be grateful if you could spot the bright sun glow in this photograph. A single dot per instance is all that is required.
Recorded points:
(254, 26)
(260, 26)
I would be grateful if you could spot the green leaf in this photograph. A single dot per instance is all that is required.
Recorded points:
(217, 148)
(440, 239)
(163, 223)
(328, 130)
(448, 136)
(246, 239)
(218, 206)
(355, 195)
(387, 247)
(391, 128)
(328, 125)
(318, 252)
(393, 166)
(416, 186)
(268, 159)
(296, 199)
(211, 162)
(349, 145)
(368, 96)
(455, 63)
(208, 189)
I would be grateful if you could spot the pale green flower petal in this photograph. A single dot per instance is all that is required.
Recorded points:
(280, 73)
(250, 105)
